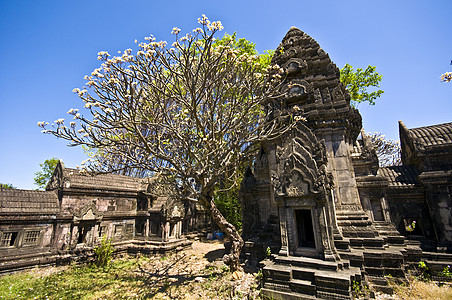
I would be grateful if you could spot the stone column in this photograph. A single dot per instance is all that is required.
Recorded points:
(283, 228)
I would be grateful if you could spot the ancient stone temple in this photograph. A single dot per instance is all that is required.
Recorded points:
(76, 211)
(316, 197)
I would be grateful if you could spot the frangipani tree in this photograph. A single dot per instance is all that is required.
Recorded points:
(446, 77)
(191, 112)
(388, 151)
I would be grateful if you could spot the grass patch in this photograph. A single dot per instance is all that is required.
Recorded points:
(76, 282)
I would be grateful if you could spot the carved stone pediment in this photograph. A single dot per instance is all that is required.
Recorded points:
(56, 181)
(301, 164)
(88, 213)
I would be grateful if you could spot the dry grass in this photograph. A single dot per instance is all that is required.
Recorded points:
(423, 290)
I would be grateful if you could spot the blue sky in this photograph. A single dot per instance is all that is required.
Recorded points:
(46, 47)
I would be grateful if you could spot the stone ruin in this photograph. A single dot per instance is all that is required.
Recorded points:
(76, 211)
(318, 200)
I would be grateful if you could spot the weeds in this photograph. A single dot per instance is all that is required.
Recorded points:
(424, 271)
(359, 290)
(268, 251)
(104, 252)
(446, 272)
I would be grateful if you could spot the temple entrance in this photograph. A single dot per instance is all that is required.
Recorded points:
(305, 230)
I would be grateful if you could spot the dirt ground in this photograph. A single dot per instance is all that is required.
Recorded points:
(199, 273)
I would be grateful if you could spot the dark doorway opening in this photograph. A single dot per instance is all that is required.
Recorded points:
(83, 234)
(305, 229)
(139, 226)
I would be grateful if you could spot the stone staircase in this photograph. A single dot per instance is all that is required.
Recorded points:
(357, 231)
(377, 248)
(308, 278)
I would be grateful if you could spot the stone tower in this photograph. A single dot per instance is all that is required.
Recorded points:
(302, 198)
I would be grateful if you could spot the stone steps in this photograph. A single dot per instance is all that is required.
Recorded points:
(300, 277)
(383, 271)
(436, 267)
(376, 242)
(388, 232)
(312, 263)
(437, 256)
(272, 293)
(355, 258)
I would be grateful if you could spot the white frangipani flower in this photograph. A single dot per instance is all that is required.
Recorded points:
(175, 30)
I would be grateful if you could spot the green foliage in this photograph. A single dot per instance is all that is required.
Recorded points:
(268, 251)
(75, 282)
(357, 83)
(410, 228)
(246, 47)
(260, 275)
(446, 272)
(7, 186)
(104, 252)
(226, 198)
(424, 271)
(229, 206)
(43, 176)
(360, 291)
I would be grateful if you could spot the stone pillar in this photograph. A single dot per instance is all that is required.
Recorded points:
(283, 228)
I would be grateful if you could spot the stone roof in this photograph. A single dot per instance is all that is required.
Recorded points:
(312, 82)
(14, 201)
(106, 182)
(432, 135)
(400, 176)
(158, 203)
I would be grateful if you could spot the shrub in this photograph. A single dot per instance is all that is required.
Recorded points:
(104, 252)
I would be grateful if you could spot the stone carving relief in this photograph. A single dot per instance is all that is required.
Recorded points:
(88, 212)
(332, 68)
(301, 166)
(296, 88)
(337, 93)
(295, 65)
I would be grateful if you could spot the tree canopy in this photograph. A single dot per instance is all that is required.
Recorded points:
(358, 82)
(47, 167)
(190, 112)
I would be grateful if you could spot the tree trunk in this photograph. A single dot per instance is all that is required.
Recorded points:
(231, 259)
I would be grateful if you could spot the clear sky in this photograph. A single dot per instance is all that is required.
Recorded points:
(46, 47)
